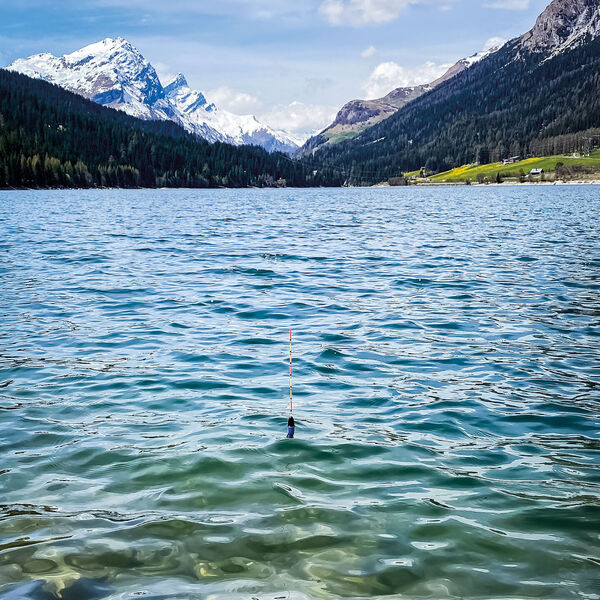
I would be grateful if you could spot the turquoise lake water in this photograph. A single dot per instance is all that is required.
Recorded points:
(446, 385)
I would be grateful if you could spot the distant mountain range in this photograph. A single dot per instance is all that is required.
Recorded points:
(540, 88)
(115, 74)
(50, 137)
(539, 92)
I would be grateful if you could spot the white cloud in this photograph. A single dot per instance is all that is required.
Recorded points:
(302, 120)
(494, 42)
(362, 12)
(297, 118)
(164, 72)
(255, 10)
(233, 101)
(389, 75)
(509, 4)
(368, 52)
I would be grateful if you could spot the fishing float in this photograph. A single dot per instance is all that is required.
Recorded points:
(291, 425)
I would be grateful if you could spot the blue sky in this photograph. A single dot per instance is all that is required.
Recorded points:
(291, 62)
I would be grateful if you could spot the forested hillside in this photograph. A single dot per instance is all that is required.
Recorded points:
(512, 103)
(52, 138)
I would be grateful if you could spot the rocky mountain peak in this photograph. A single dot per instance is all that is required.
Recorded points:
(106, 50)
(114, 73)
(177, 84)
(180, 80)
(111, 72)
(563, 24)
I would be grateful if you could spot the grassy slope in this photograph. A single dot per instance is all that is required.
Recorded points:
(548, 163)
(340, 133)
(339, 136)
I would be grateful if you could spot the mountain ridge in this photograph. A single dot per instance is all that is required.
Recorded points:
(562, 24)
(539, 86)
(112, 72)
(357, 115)
(53, 138)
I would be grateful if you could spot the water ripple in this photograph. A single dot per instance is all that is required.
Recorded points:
(446, 394)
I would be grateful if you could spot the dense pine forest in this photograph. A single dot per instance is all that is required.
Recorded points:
(511, 104)
(52, 138)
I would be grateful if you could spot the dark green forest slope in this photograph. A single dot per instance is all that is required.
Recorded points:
(512, 103)
(52, 138)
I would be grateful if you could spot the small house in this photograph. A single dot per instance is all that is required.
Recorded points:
(536, 171)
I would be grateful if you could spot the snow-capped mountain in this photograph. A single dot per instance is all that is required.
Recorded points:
(114, 73)
(200, 117)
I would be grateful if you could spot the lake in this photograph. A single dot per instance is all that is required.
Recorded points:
(446, 393)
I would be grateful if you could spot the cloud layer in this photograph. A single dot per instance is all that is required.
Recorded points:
(302, 119)
(236, 102)
(363, 12)
(389, 75)
(298, 118)
(509, 4)
(369, 52)
(494, 42)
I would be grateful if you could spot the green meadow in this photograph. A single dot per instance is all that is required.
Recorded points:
(548, 163)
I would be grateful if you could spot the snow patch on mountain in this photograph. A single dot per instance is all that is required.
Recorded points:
(111, 72)
(199, 116)
(475, 58)
(114, 73)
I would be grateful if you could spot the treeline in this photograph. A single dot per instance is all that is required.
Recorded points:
(510, 104)
(582, 142)
(52, 138)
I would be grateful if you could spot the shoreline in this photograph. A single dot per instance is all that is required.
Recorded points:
(341, 187)
(491, 184)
